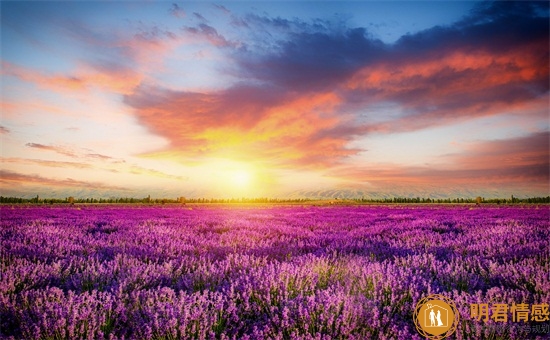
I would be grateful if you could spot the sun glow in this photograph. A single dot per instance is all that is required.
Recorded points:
(234, 179)
(240, 178)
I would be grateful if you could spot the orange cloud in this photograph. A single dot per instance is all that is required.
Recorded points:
(118, 80)
(246, 123)
(450, 85)
(469, 70)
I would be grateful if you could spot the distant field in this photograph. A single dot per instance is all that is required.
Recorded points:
(264, 271)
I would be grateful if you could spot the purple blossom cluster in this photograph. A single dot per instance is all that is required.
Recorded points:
(267, 272)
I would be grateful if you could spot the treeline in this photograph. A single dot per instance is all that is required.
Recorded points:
(478, 200)
(183, 200)
(146, 200)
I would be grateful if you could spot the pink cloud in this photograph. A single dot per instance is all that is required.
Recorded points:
(48, 163)
(10, 179)
(513, 163)
(58, 149)
(121, 166)
(76, 153)
(99, 156)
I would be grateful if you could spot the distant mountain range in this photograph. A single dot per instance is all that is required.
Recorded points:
(322, 193)
(451, 192)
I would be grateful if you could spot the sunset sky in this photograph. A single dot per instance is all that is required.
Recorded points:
(276, 99)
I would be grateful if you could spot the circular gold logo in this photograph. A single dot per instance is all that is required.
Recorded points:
(436, 316)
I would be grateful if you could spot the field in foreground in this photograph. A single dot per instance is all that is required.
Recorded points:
(102, 272)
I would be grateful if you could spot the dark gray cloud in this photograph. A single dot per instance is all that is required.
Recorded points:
(177, 11)
(210, 34)
(199, 17)
(313, 61)
(222, 8)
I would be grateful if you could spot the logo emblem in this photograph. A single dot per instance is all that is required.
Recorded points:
(436, 316)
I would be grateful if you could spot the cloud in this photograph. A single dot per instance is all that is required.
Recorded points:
(121, 167)
(306, 90)
(109, 159)
(58, 149)
(137, 170)
(48, 163)
(18, 108)
(111, 59)
(99, 156)
(41, 79)
(199, 17)
(222, 8)
(520, 163)
(114, 78)
(208, 33)
(92, 160)
(177, 11)
(14, 178)
(79, 153)
(530, 153)
(487, 10)
(446, 74)
(4, 130)
(246, 123)
(312, 60)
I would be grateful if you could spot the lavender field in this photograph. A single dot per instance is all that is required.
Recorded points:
(271, 272)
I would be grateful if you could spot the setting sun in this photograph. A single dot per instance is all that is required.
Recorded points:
(241, 178)
(229, 178)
